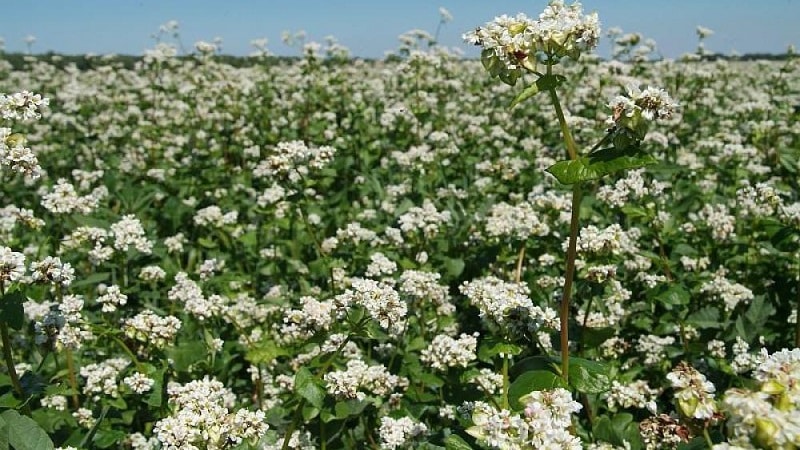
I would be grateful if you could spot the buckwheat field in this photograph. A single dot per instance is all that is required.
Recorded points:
(536, 249)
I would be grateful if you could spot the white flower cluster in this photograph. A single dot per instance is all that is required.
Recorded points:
(559, 31)
(425, 220)
(202, 418)
(650, 104)
(761, 200)
(128, 233)
(424, 286)
(632, 187)
(20, 106)
(11, 215)
(545, 423)
(507, 305)
(380, 300)
(101, 378)
(445, 351)
(695, 394)
(212, 216)
(294, 160)
(152, 273)
(662, 432)
(718, 218)
(516, 221)
(52, 270)
(62, 326)
(636, 394)
(139, 382)
(768, 417)
(12, 265)
(380, 265)
(111, 297)
(399, 433)
(731, 293)
(610, 240)
(64, 199)
(187, 292)
(488, 380)
(149, 328)
(359, 377)
(313, 316)
(653, 348)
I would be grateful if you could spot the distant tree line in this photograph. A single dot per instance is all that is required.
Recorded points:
(85, 62)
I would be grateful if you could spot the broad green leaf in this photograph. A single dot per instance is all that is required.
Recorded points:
(533, 363)
(264, 351)
(536, 380)
(618, 430)
(24, 433)
(11, 310)
(105, 438)
(347, 408)
(186, 354)
(309, 387)
(454, 266)
(455, 442)
(707, 317)
(526, 93)
(8, 400)
(588, 377)
(674, 295)
(599, 164)
(309, 412)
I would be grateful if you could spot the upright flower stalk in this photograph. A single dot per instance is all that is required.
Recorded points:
(514, 46)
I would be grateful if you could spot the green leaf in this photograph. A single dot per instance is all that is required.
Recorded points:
(186, 354)
(454, 266)
(599, 164)
(90, 280)
(526, 93)
(11, 310)
(707, 317)
(108, 438)
(3, 434)
(533, 363)
(588, 377)
(8, 400)
(674, 295)
(455, 442)
(348, 408)
(618, 430)
(264, 351)
(535, 380)
(23, 433)
(488, 350)
(308, 387)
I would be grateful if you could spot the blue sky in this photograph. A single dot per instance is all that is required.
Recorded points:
(369, 28)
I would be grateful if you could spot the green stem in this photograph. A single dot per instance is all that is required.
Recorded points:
(73, 380)
(707, 437)
(505, 381)
(568, 278)
(12, 371)
(562, 122)
(573, 234)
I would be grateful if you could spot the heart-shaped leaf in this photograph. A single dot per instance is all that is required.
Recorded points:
(599, 164)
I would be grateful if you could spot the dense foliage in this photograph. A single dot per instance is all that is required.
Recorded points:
(332, 253)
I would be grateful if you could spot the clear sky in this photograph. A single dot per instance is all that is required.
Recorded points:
(369, 28)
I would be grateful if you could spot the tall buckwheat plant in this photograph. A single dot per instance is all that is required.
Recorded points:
(531, 50)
